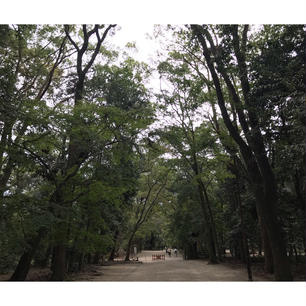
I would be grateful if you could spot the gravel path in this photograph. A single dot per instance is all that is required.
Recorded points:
(171, 269)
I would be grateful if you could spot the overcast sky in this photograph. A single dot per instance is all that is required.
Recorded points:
(136, 33)
(142, 12)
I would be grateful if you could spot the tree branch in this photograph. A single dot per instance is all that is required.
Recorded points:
(66, 28)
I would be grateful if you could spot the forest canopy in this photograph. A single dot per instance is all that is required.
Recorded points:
(95, 161)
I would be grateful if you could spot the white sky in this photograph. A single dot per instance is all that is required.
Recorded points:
(158, 11)
(146, 48)
(136, 33)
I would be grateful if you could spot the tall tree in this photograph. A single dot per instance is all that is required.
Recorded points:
(153, 182)
(29, 66)
(253, 149)
(194, 145)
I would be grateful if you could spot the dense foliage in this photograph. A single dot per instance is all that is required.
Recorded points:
(93, 163)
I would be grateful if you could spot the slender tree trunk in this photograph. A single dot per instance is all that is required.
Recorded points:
(290, 252)
(210, 234)
(245, 245)
(71, 259)
(81, 261)
(209, 239)
(96, 258)
(113, 251)
(295, 254)
(102, 260)
(248, 259)
(129, 245)
(193, 251)
(185, 253)
(112, 254)
(89, 258)
(43, 263)
(212, 224)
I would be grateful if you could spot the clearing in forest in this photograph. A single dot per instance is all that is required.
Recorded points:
(171, 269)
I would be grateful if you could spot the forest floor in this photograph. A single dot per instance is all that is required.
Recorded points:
(171, 269)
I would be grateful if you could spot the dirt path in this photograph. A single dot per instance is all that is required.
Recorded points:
(171, 269)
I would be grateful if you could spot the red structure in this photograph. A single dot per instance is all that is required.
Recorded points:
(158, 257)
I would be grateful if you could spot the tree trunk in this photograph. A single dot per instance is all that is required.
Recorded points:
(81, 262)
(295, 254)
(71, 260)
(112, 254)
(193, 251)
(102, 260)
(43, 263)
(241, 248)
(245, 245)
(209, 237)
(129, 245)
(96, 258)
(190, 251)
(113, 251)
(24, 264)
(59, 263)
(260, 248)
(267, 251)
(281, 264)
(23, 267)
(213, 226)
(244, 240)
(89, 258)
(248, 259)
